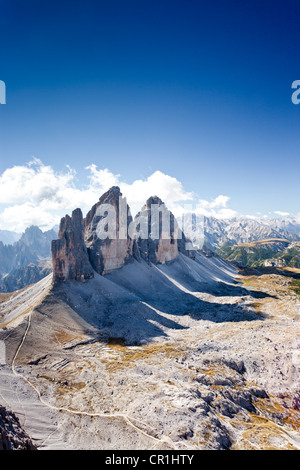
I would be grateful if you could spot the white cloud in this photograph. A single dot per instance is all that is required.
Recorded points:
(282, 214)
(102, 179)
(36, 194)
(216, 208)
(34, 182)
(217, 203)
(167, 188)
(20, 216)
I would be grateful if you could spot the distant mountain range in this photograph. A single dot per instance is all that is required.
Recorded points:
(27, 260)
(8, 237)
(213, 233)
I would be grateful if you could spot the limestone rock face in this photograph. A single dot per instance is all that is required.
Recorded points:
(165, 240)
(108, 238)
(106, 233)
(69, 254)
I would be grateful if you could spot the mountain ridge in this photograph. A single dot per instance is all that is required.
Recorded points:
(24, 261)
(80, 250)
(151, 348)
(213, 233)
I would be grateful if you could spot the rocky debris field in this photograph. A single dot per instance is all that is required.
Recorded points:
(225, 377)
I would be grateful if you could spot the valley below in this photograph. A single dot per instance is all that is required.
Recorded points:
(221, 372)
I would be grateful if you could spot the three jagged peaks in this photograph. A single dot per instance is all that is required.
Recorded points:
(80, 251)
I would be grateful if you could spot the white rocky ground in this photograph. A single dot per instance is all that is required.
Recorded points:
(169, 356)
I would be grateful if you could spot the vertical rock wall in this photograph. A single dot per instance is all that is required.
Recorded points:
(108, 238)
(69, 254)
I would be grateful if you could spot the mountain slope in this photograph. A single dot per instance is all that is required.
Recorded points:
(214, 233)
(172, 355)
(12, 436)
(151, 346)
(272, 252)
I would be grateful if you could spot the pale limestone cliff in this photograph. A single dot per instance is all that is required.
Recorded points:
(108, 238)
(165, 240)
(117, 249)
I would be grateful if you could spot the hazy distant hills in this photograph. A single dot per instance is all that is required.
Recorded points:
(8, 237)
(214, 233)
(26, 260)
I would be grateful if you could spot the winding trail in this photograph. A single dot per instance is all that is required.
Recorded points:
(123, 416)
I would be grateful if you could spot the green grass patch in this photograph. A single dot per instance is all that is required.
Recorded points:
(295, 286)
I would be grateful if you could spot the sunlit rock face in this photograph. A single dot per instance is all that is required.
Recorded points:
(108, 238)
(69, 254)
(165, 239)
(106, 233)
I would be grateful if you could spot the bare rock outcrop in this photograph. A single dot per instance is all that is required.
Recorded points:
(69, 254)
(108, 238)
(165, 239)
(12, 435)
(112, 248)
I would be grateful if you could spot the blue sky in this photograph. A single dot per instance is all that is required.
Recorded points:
(199, 91)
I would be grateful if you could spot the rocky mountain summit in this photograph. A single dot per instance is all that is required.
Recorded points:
(113, 252)
(69, 253)
(164, 243)
(153, 235)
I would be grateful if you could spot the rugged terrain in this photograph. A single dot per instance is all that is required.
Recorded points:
(12, 436)
(23, 257)
(27, 260)
(273, 252)
(167, 350)
(224, 374)
(221, 371)
(213, 233)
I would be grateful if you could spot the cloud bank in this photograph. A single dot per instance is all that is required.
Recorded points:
(36, 194)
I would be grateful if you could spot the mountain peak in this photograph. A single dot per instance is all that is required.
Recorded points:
(111, 250)
(69, 253)
(153, 200)
(113, 193)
